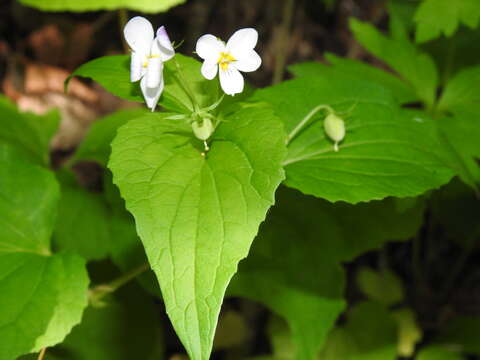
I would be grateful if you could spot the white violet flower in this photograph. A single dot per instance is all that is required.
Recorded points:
(229, 59)
(148, 55)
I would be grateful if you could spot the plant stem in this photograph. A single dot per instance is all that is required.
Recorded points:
(282, 42)
(99, 291)
(122, 21)
(41, 354)
(305, 120)
(184, 85)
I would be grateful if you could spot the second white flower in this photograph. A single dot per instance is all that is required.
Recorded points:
(237, 55)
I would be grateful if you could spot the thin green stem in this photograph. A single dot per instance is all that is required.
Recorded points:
(283, 41)
(305, 120)
(41, 354)
(100, 291)
(184, 85)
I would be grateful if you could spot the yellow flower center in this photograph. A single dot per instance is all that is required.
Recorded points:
(224, 60)
(145, 63)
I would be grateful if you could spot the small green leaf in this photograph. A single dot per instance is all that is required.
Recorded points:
(460, 135)
(43, 295)
(29, 132)
(146, 6)
(462, 91)
(384, 287)
(434, 17)
(417, 68)
(96, 145)
(83, 222)
(386, 152)
(370, 333)
(113, 73)
(409, 332)
(197, 214)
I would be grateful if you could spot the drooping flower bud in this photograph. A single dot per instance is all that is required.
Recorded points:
(334, 128)
(203, 128)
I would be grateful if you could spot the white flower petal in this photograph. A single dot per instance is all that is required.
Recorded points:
(209, 69)
(231, 81)
(209, 47)
(136, 66)
(151, 95)
(154, 72)
(164, 45)
(139, 34)
(248, 62)
(242, 41)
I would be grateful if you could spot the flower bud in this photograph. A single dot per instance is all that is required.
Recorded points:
(203, 128)
(335, 129)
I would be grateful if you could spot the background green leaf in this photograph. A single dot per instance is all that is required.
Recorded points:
(434, 17)
(28, 132)
(83, 222)
(354, 340)
(96, 144)
(386, 152)
(416, 67)
(146, 6)
(42, 295)
(348, 69)
(126, 327)
(195, 212)
(294, 264)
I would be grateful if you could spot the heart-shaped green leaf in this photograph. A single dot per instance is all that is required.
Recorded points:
(385, 152)
(198, 213)
(42, 295)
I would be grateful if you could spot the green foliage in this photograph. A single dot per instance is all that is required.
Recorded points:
(197, 212)
(462, 333)
(385, 152)
(461, 92)
(96, 145)
(125, 328)
(28, 132)
(434, 17)
(348, 69)
(460, 136)
(353, 341)
(43, 295)
(146, 6)
(416, 67)
(113, 73)
(384, 287)
(436, 352)
(83, 222)
(289, 241)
